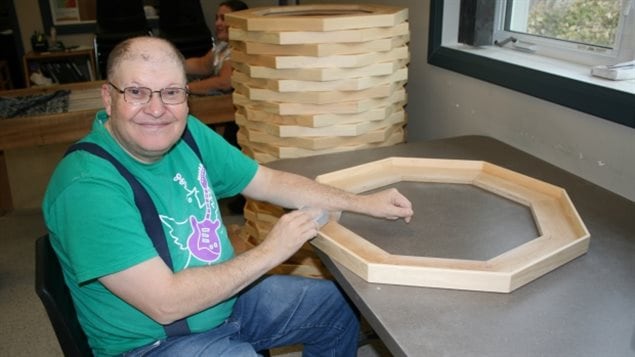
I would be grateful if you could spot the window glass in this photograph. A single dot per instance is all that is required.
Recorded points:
(592, 22)
(588, 32)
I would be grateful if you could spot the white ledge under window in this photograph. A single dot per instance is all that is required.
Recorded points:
(558, 81)
(549, 65)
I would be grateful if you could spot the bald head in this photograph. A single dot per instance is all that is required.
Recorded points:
(145, 48)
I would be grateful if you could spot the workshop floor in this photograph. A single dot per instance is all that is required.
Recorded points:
(25, 329)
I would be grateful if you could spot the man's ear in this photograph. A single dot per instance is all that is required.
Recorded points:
(106, 97)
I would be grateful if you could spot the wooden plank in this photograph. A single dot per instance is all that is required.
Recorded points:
(321, 49)
(319, 74)
(335, 130)
(324, 97)
(317, 17)
(284, 152)
(351, 107)
(322, 142)
(292, 85)
(318, 120)
(335, 61)
(312, 37)
(359, 178)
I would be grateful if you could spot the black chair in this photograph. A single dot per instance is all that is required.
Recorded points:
(183, 23)
(56, 298)
(117, 20)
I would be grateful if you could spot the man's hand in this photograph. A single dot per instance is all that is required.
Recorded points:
(292, 230)
(389, 204)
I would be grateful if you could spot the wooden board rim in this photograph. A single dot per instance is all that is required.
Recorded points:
(503, 273)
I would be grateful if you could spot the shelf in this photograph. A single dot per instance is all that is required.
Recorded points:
(61, 66)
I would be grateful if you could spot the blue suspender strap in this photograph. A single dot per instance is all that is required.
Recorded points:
(189, 140)
(149, 214)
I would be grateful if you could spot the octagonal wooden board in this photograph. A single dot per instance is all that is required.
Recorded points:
(563, 235)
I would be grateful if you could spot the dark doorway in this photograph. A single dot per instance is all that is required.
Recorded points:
(11, 49)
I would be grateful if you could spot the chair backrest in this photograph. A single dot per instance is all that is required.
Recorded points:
(121, 17)
(117, 20)
(183, 23)
(56, 298)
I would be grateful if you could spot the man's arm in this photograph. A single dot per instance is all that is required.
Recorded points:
(294, 191)
(166, 296)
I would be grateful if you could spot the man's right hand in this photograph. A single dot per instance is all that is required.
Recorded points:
(293, 230)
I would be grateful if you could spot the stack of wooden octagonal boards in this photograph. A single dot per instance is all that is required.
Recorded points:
(316, 79)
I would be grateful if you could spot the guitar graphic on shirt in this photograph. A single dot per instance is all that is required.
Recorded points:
(204, 242)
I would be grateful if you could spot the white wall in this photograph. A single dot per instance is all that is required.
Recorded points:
(595, 149)
(445, 104)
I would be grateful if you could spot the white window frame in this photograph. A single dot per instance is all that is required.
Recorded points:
(623, 50)
(558, 81)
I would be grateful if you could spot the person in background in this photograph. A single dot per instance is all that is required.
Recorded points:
(214, 68)
(212, 74)
(203, 299)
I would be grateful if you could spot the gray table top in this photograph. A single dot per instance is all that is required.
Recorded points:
(583, 308)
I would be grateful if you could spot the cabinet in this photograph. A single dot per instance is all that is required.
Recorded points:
(61, 67)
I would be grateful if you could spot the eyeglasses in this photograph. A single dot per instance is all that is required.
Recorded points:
(143, 95)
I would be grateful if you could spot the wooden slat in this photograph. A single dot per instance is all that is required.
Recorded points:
(318, 120)
(258, 94)
(308, 37)
(317, 17)
(285, 152)
(292, 85)
(308, 62)
(319, 74)
(355, 129)
(321, 142)
(321, 49)
(351, 107)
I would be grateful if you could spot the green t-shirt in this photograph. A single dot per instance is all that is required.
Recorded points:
(96, 229)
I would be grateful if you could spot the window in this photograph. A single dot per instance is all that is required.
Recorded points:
(563, 82)
(590, 32)
(68, 17)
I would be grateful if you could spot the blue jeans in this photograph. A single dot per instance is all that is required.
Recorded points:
(278, 310)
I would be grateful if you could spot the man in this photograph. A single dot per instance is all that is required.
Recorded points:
(126, 295)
